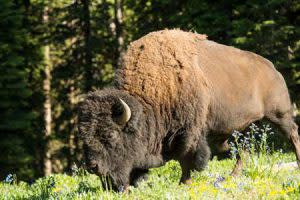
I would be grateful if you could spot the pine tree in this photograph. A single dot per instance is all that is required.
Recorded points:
(16, 115)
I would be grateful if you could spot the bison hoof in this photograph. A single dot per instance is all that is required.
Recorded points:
(187, 181)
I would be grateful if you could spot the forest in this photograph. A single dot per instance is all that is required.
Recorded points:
(54, 52)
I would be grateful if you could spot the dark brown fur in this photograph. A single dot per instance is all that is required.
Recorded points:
(180, 88)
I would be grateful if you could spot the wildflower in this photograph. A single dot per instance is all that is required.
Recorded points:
(280, 150)
(31, 182)
(77, 171)
(57, 190)
(290, 189)
(168, 195)
(216, 184)
(9, 178)
(210, 175)
(51, 182)
(74, 169)
(273, 192)
(234, 134)
(121, 188)
(218, 180)
(240, 185)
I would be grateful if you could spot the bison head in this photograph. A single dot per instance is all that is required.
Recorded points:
(110, 124)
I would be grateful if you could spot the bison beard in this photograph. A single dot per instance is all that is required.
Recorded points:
(174, 90)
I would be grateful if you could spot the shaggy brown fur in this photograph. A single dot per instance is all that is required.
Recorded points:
(181, 88)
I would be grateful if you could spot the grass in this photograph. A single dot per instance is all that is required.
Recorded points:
(254, 183)
(260, 179)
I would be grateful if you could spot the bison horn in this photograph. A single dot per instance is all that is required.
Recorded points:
(125, 117)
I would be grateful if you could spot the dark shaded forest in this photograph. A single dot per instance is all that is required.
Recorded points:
(53, 52)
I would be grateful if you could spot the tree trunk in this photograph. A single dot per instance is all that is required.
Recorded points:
(118, 10)
(47, 104)
(72, 126)
(87, 45)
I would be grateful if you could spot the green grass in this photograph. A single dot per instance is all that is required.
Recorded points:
(258, 180)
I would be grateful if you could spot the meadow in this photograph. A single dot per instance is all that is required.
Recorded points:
(263, 177)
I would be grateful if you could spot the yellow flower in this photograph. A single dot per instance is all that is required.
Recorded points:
(290, 189)
(56, 189)
(282, 192)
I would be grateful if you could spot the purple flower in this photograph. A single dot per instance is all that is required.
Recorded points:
(9, 178)
(218, 180)
(240, 186)
(51, 182)
(216, 184)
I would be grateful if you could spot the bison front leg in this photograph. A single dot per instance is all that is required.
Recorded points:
(186, 174)
(194, 160)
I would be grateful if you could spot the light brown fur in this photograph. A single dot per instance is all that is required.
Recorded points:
(180, 74)
(163, 75)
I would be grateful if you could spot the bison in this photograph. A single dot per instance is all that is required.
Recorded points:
(174, 90)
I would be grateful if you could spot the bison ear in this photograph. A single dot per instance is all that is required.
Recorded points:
(121, 112)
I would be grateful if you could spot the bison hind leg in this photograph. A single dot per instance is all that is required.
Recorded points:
(285, 122)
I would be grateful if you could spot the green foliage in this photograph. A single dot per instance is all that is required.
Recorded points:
(163, 184)
(255, 148)
(16, 114)
(261, 178)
